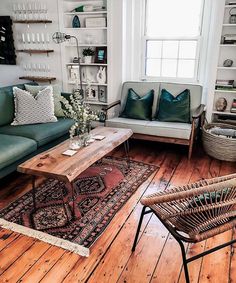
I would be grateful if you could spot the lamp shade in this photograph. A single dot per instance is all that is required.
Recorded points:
(59, 37)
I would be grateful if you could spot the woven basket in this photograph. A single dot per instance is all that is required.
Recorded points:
(221, 148)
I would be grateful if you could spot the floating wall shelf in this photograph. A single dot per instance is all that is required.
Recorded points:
(35, 51)
(38, 79)
(86, 13)
(33, 22)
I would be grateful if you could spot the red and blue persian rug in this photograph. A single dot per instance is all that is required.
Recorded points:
(100, 192)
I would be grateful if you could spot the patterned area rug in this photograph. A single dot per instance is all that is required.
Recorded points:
(100, 192)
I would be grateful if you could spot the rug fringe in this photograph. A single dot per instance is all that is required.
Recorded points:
(78, 249)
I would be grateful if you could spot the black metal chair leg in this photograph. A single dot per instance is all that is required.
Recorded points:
(34, 193)
(138, 229)
(185, 263)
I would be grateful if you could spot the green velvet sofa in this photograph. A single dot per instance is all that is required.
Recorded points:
(19, 143)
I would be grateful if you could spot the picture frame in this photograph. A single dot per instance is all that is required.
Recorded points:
(91, 93)
(101, 55)
(102, 94)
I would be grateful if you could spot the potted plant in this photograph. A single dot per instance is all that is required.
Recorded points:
(88, 53)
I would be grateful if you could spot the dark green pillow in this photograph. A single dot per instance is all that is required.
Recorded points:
(174, 109)
(138, 107)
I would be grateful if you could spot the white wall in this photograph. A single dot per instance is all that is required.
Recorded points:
(10, 74)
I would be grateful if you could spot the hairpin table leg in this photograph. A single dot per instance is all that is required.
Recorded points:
(34, 192)
(126, 146)
(73, 195)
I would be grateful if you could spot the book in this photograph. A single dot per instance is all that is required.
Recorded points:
(224, 87)
(225, 82)
(233, 106)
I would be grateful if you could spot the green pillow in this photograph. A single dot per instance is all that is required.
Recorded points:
(174, 109)
(56, 96)
(138, 107)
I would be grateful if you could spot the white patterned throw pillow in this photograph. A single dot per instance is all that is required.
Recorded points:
(31, 109)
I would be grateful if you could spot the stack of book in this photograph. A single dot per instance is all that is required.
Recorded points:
(233, 107)
(232, 3)
(225, 84)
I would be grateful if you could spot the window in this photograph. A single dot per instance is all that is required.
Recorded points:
(172, 39)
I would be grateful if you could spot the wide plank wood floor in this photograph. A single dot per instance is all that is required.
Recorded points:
(157, 257)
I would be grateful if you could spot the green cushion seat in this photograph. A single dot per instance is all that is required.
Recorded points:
(41, 133)
(13, 148)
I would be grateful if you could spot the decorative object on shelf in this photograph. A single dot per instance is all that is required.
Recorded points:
(88, 38)
(228, 63)
(35, 41)
(30, 11)
(233, 106)
(91, 93)
(88, 53)
(221, 104)
(37, 70)
(88, 8)
(82, 114)
(76, 22)
(232, 18)
(84, 75)
(101, 55)
(101, 75)
(74, 76)
(102, 94)
(59, 37)
(7, 49)
(75, 60)
(95, 22)
(229, 39)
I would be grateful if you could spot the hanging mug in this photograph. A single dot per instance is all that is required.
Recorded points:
(232, 18)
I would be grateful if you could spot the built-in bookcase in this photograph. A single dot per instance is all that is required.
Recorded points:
(223, 50)
(95, 37)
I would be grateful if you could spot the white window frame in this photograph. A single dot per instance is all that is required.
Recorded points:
(146, 38)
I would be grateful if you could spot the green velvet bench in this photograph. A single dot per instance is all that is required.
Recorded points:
(154, 130)
(19, 143)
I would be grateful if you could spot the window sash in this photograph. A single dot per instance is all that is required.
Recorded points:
(196, 59)
(146, 38)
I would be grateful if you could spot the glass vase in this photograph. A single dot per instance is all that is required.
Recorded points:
(83, 133)
(75, 143)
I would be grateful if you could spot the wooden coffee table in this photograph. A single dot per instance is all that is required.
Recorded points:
(53, 164)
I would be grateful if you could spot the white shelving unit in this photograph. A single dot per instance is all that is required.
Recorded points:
(223, 52)
(93, 37)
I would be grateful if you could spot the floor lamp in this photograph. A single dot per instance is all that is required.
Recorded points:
(59, 37)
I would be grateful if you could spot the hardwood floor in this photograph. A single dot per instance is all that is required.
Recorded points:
(157, 257)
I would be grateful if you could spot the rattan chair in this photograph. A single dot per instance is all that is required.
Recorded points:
(195, 212)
